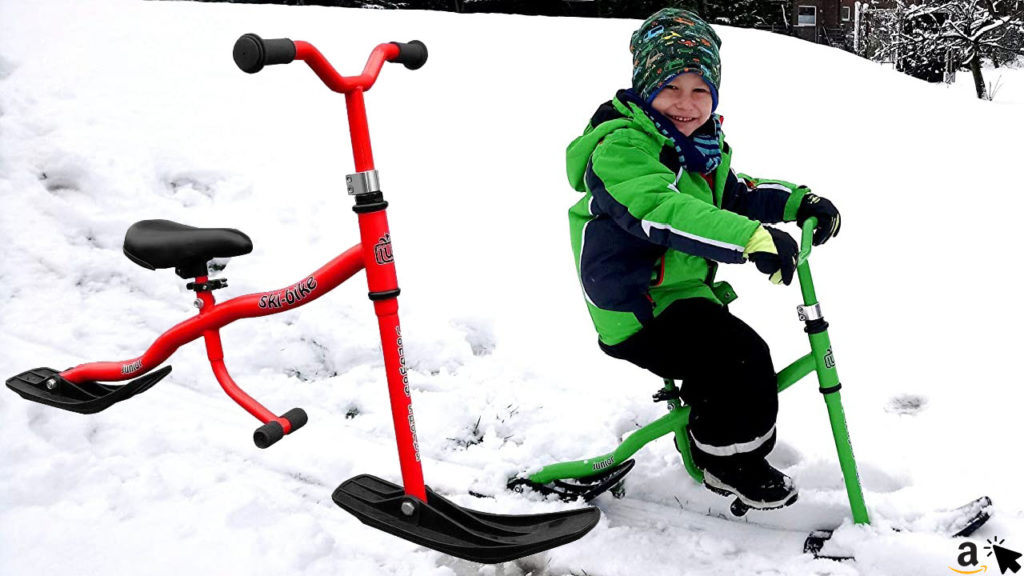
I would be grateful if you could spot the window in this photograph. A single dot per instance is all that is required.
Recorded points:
(806, 15)
(846, 13)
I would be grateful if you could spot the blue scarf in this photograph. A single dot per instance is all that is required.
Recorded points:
(701, 152)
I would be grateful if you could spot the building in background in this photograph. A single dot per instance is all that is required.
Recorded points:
(835, 22)
(828, 22)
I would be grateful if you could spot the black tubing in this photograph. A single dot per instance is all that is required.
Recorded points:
(252, 53)
(296, 417)
(412, 54)
(265, 436)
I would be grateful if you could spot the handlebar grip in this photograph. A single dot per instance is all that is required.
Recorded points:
(268, 434)
(296, 417)
(252, 53)
(412, 54)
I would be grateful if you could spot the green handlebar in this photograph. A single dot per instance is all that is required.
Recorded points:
(807, 239)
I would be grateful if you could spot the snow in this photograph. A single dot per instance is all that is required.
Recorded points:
(1007, 82)
(117, 111)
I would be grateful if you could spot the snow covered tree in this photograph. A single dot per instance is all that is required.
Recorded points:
(742, 13)
(954, 34)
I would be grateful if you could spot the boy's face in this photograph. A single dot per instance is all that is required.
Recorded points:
(686, 101)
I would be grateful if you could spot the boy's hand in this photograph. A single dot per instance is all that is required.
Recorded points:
(826, 213)
(774, 253)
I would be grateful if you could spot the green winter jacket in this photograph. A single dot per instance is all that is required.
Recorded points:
(646, 232)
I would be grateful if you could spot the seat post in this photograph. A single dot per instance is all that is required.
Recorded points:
(204, 286)
(204, 301)
(192, 270)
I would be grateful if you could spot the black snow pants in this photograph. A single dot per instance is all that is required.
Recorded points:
(728, 379)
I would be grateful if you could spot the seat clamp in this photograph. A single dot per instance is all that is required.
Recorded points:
(208, 286)
(664, 395)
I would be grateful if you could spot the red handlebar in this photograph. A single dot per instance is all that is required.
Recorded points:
(382, 53)
(252, 53)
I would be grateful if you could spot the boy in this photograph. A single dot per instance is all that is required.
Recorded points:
(661, 209)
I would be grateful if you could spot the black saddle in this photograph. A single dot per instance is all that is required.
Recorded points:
(157, 244)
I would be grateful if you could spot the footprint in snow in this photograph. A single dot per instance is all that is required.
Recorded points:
(906, 404)
(193, 187)
(61, 180)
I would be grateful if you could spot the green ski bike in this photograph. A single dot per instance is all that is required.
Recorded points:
(590, 477)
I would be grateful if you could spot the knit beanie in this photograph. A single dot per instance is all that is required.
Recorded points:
(673, 41)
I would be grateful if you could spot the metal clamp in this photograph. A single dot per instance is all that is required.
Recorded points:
(362, 183)
(208, 286)
(664, 395)
(808, 313)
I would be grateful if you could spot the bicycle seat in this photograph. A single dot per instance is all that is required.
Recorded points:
(157, 244)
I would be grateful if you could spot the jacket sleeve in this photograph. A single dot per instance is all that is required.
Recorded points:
(762, 199)
(630, 185)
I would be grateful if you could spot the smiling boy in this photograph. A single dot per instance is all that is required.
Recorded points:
(662, 208)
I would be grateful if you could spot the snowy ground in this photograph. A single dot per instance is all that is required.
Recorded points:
(115, 111)
(1005, 82)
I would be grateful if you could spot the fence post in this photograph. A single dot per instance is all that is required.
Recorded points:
(952, 58)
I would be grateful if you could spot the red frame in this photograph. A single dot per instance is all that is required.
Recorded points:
(373, 254)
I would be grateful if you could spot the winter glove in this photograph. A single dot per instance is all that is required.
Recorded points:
(774, 253)
(815, 206)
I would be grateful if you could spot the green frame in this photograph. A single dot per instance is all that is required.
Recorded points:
(819, 360)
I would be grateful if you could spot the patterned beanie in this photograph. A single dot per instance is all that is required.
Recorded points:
(671, 42)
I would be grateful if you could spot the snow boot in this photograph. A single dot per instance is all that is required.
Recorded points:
(755, 482)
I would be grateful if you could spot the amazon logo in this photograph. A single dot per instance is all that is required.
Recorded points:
(969, 563)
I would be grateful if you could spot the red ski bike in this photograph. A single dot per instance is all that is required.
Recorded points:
(412, 511)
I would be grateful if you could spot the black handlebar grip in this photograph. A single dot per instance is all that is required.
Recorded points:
(266, 435)
(296, 417)
(412, 54)
(252, 53)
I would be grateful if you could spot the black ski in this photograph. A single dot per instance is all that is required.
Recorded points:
(969, 517)
(442, 525)
(959, 522)
(46, 386)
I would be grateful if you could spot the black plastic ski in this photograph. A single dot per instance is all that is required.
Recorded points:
(815, 542)
(45, 385)
(966, 519)
(446, 527)
(959, 522)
